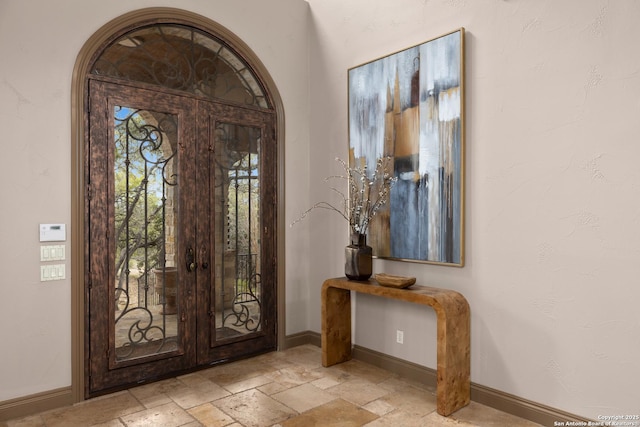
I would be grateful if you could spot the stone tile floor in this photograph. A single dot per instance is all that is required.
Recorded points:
(279, 389)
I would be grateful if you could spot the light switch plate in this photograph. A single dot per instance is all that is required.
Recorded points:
(52, 253)
(52, 272)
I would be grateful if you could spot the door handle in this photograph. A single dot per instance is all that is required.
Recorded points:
(190, 259)
(205, 261)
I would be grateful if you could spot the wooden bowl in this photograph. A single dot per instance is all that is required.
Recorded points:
(390, 281)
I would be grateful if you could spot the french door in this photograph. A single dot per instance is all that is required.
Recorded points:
(181, 248)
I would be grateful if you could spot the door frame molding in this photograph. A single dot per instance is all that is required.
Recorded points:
(79, 92)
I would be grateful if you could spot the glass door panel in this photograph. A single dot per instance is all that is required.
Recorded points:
(140, 212)
(238, 291)
(146, 190)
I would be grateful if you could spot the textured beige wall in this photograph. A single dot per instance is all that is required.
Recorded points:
(553, 213)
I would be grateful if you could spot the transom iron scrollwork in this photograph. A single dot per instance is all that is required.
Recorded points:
(182, 58)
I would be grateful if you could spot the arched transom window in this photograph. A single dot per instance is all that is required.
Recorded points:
(181, 58)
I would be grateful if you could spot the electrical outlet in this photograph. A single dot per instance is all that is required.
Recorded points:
(400, 337)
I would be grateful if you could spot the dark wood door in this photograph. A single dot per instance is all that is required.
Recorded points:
(178, 276)
(236, 218)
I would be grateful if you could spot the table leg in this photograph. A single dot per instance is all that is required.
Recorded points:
(336, 325)
(453, 382)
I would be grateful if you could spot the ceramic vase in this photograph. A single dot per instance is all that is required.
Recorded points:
(358, 258)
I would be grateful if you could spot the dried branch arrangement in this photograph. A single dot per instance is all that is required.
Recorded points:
(366, 195)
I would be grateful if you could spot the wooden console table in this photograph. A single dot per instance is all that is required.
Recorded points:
(452, 310)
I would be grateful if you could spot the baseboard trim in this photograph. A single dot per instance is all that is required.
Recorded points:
(523, 408)
(32, 404)
(301, 338)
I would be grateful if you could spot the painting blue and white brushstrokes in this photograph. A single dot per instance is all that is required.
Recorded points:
(409, 106)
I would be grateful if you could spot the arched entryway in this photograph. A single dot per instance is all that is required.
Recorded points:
(175, 255)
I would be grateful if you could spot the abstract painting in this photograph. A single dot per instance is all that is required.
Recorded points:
(409, 106)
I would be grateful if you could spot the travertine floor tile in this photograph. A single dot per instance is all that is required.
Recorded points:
(235, 372)
(32, 421)
(436, 420)
(364, 371)
(398, 418)
(254, 408)
(477, 414)
(338, 413)
(412, 400)
(196, 390)
(335, 374)
(112, 423)
(210, 416)
(308, 356)
(273, 388)
(358, 391)
(325, 383)
(294, 375)
(155, 394)
(249, 383)
(286, 388)
(397, 383)
(304, 397)
(276, 360)
(168, 415)
(94, 411)
(379, 407)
